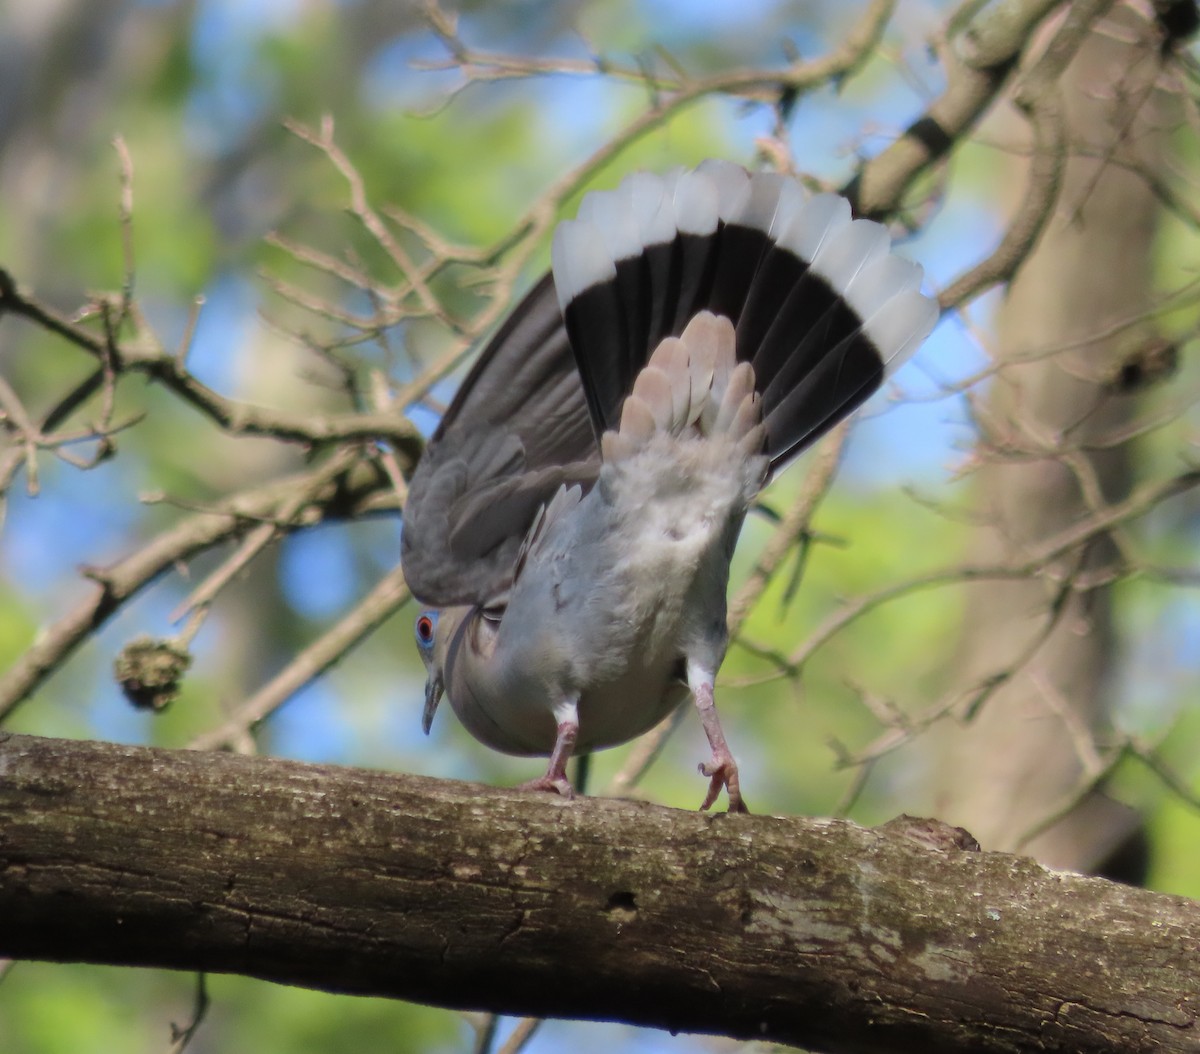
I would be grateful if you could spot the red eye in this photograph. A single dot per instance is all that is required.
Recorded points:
(425, 627)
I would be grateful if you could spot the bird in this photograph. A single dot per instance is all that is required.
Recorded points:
(569, 528)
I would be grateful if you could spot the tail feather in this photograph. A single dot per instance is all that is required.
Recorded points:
(821, 308)
(653, 390)
(671, 363)
(695, 205)
(584, 265)
(637, 418)
(710, 346)
(692, 385)
(738, 403)
(655, 268)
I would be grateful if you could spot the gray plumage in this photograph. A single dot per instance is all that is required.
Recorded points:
(576, 512)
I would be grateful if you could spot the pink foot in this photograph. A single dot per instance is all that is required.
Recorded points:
(555, 779)
(722, 772)
(554, 784)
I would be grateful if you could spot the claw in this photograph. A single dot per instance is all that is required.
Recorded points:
(555, 778)
(554, 784)
(722, 772)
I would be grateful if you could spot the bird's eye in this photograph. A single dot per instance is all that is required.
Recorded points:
(426, 624)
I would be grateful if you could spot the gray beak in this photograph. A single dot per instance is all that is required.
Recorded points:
(433, 695)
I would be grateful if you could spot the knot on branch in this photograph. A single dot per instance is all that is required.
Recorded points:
(149, 672)
(1150, 363)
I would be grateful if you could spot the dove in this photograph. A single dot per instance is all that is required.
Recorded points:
(570, 526)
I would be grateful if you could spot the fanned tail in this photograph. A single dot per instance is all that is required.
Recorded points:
(820, 307)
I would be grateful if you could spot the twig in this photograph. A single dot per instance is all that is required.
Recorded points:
(1070, 801)
(794, 524)
(367, 615)
(182, 1037)
(1037, 204)
(129, 264)
(974, 79)
(196, 534)
(265, 533)
(644, 753)
(1137, 504)
(521, 1035)
(967, 703)
(234, 417)
(361, 208)
(751, 84)
(1170, 779)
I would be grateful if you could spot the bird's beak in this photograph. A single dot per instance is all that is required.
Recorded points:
(434, 687)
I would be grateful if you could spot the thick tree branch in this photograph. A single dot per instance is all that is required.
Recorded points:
(977, 67)
(813, 932)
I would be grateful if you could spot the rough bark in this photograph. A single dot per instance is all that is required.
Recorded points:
(1026, 752)
(812, 932)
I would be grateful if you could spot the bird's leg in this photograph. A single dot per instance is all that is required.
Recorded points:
(722, 770)
(555, 778)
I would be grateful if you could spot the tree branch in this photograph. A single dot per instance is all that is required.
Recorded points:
(237, 418)
(343, 493)
(812, 932)
(976, 72)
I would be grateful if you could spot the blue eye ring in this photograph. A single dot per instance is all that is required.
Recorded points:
(424, 628)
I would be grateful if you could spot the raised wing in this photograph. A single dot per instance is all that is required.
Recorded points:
(517, 430)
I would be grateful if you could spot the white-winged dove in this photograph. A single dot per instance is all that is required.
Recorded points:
(572, 521)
